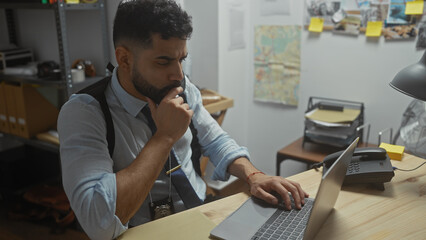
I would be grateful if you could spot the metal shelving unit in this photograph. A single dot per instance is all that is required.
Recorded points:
(60, 8)
(60, 17)
(32, 80)
(31, 142)
(25, 6)
(64, 84)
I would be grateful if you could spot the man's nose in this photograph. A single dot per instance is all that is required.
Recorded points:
(177, 73)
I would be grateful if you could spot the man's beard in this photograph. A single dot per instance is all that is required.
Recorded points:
(150, 91)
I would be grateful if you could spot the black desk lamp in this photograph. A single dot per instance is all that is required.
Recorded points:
(412, 80)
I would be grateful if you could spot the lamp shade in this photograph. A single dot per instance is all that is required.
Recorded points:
(412, 80)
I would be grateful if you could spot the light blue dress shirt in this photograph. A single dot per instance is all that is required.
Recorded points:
(88, 171)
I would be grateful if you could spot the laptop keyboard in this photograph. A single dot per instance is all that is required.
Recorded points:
(286, 224)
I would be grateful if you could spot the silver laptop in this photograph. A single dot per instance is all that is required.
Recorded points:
(258, 220)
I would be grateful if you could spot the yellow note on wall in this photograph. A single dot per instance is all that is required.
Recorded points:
(374, 29)
(316, 25)
(414, 7)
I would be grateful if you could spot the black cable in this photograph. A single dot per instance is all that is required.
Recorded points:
(316, 165)
(408, 170)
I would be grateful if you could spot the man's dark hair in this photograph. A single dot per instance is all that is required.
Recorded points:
(137, 20)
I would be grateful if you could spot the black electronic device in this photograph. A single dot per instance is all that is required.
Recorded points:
(49, 70)
(368, 165)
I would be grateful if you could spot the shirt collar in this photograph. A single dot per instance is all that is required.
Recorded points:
(131, 104)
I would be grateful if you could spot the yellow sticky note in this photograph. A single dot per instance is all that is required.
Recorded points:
(394, 151)
(316, 25)
(374, 29)
(414, 7)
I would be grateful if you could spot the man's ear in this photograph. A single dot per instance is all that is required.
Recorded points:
(124, 58)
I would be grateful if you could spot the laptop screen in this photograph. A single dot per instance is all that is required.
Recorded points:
(328, 191)
(252, 216)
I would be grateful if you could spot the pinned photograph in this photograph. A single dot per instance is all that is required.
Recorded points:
(349, 25)
(401, 32)
(421, 40)
(321, 8)
(363, 4)
(396, 14)
(378, 11)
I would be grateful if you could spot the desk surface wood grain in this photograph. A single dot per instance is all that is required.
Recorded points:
(361, 211)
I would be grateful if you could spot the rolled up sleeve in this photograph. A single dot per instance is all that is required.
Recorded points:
(87, 168)
(216, 144)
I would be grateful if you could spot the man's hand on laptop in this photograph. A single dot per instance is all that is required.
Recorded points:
(264, 187)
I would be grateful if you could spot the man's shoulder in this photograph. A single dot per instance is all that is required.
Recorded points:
(80, 100)
(81, 114)
(80, 106)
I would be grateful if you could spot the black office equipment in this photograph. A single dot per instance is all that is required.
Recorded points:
(368, 165)
(338, 135)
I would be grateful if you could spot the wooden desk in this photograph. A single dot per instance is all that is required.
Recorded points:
(309, 154)
(213, 102)
(361, 212)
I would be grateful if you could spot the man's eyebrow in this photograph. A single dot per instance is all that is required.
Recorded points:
(170, 58)
(165, 58)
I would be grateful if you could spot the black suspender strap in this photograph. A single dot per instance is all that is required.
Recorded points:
(195, 145)
(97, 90)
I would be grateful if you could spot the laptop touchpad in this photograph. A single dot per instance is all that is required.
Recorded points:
(243, 223)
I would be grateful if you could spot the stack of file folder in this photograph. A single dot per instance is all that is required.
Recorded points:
(333, 122)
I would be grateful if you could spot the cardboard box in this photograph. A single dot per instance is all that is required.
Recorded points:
(31, 112)
(35, 113)
(11, 108)
(4, 123)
